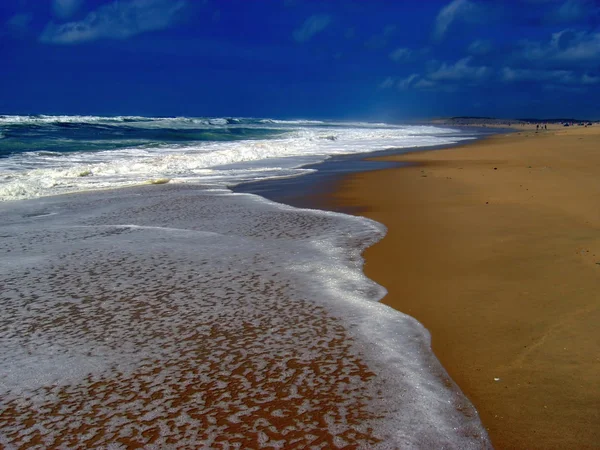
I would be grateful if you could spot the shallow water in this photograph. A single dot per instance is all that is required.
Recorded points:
(176, 316)
(183, 315)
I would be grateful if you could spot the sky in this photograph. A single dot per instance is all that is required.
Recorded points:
(374, 60)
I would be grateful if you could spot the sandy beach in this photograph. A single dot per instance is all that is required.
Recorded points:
(495, 247)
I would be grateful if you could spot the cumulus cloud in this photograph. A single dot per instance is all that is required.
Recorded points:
(531, 75)
(65, 8)
(461, 70)
(572, 11)
(590, 79)
(116, 20)
(464, 10)
(387, 83)
(311, 26)
(425, 84)
(445, 77)
(407, 82)
(400, 54)
(480, 47)
(564, 77)
(566, 48)
(400, 83)
(569, 11)
(422, 83)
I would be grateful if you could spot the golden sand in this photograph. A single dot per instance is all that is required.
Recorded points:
(495, 247)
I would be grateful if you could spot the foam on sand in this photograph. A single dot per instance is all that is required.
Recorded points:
(174, 316)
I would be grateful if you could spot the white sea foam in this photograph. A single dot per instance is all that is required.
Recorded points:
(183, 316)
(293, 122)
(40, 119)
(179, 314)
(35, 174)
(179, 121)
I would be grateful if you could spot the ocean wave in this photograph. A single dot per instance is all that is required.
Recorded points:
(292, 122)
(43, 119)
(176, 127)
(43, 173)
(61, 119)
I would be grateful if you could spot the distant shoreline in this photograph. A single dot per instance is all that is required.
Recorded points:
(511, 123)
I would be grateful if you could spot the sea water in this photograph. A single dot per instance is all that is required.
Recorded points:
(183, 315)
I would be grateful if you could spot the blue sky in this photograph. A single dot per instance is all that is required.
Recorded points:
(387, 60)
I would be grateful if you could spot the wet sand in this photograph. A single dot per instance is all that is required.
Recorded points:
(495, 247)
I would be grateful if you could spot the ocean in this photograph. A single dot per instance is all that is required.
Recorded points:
(145, 304)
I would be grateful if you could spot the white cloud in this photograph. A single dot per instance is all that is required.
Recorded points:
(400, 54)
(480, 47)
(589, 79)
(407, 82)
(459, 71)
(387, 83)
(574, 11)
(400, 83)
(311, 26)
(569, 45)
(445, 78)
(116, 20)
(65, 8)
(519, 75)
(569, 11)
(564, 77)
(455, 10)
(566, 48)
(424, 83)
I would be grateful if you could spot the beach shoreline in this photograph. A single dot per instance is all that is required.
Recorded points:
(493, 246)
(375, 186)
(179, 314)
